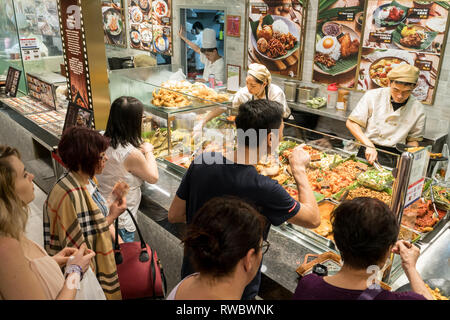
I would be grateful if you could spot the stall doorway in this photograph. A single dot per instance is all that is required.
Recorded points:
(194, 21)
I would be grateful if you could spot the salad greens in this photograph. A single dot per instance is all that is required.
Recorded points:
(377, 180)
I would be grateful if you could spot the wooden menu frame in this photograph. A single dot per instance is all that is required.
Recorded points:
(232, 21)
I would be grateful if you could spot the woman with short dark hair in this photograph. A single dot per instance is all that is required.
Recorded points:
(129, 159)
(225, 245)
(365, 231)
(71, 215)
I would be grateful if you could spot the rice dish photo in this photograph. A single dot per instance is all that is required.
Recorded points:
(279, 26)
(437, 24)
(274, 40)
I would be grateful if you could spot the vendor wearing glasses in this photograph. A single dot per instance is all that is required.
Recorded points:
(387, 116)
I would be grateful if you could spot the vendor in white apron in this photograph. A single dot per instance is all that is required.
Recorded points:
(387, 116)
(209, 56)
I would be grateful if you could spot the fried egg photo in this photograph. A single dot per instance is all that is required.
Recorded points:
(329, 45)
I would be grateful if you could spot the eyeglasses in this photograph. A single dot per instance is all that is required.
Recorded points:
(265, 246)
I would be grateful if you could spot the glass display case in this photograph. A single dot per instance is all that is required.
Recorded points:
(30, 39)
(10, 56)
(175, 108)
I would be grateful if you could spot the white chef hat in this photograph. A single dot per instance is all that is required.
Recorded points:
(209, 39)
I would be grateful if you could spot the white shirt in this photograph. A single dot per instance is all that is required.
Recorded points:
(384, 126)
(275, 93)
(217, 68)
(113, 172)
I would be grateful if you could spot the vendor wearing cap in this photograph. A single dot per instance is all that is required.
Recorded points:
(387, 116)
(260, 86)
(209, 56)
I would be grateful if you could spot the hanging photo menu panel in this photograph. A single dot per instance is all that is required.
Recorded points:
(114, 23)
(417, 26)
(162, 26)
(338, 42)
(375, 64)
(276, 35)
(141, 28)
(75, 53)
(404, 31)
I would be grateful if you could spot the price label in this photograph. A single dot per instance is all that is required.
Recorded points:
(414, 192)
(418, 13)
(424, 65)
(346, 16)
(380, 37)
(259, 9)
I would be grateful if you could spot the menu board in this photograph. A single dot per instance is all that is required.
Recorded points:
(404, 31)
(114, 23)
(338, 42)
(41, 91)
(276, 35)
(151, 25)
(12, 82)
(77, 116)
(75, 53)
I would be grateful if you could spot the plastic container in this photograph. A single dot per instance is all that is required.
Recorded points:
(342, 99)
(332, 95)
(211, 80)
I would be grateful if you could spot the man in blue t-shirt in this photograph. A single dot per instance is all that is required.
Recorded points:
(234, 174)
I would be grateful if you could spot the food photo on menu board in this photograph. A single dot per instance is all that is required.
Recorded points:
(161, 12)
(162, 40)
(275, 35)
(141, 29)
(150, 25)
(114, 23)
(411, 25)
(375, 64)
(338, 39)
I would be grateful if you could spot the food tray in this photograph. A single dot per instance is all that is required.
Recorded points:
(315, 236)
(173, 165)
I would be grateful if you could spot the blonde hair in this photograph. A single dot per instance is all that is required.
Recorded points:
(13, 211)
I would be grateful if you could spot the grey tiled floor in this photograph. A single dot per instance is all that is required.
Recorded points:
(34, 229)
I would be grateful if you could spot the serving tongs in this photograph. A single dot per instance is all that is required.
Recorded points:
(435, 213)
(377, 166)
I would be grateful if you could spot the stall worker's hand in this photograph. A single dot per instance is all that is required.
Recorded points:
(62, 256)
(371, 155)
(181, 33)
(299, 159)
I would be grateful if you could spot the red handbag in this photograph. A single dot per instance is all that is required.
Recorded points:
(140, 271)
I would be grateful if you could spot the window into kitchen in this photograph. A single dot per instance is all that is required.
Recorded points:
(194, 22)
